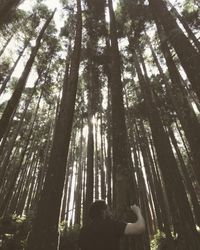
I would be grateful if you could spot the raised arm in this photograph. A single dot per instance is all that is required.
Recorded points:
(139, 226)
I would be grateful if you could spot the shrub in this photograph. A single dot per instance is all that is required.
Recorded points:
(13, 231)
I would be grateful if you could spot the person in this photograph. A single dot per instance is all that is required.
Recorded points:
(104, 233)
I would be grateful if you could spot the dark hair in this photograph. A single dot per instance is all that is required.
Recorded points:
(97, 208)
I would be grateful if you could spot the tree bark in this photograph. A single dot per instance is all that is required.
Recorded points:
(168, 165)
(187, 177)
(13, 139)
(44, 234)
(6, 44)
(189, 57)
(179, 99)
(191, 35)
(15, 98)
(123, 188)
(6, 80)
(19, 164)
(79, 185)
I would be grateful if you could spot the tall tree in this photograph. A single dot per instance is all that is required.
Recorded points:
(44, 234)
(186, 26)
(180, 102)
(15, 98)
(189, 57)
(7, 78)
(174, 187)
(92, 19)
(119, 132)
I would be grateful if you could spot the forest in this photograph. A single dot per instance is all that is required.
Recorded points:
(99, 99)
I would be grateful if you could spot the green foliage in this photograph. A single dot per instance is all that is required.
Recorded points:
(191, 13)
(41, 10)
(4, 69)
(64, 2)
(13, 231)
(14, 17)
(97, 7)
(158, 240)
(192, 17)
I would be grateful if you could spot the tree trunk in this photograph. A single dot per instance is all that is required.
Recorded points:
(157, 192)
(123, 188)
(109, 166)
(13, 139)
(93, 100)
(189, 57)
(187, 177)
(90, 170)
(103, 175)
(31, 183)
(15, 98)
(79, 185)
(6, 44)
(6, 80)
(19, 164)
(168, 166)
(191, 35)
(28, 189)
(43, 167)
(96, 169)
(44, 234)
(179, 99)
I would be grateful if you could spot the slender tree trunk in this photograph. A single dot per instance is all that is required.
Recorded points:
(140, 242)
(109, 166)
(178, 97)
(15, 98)
(28, 191)
(168, 165)
(186, 26)
(6, 44)
(187, 178)
(92, 87)
(96, 169)
(44, 234)
(147, 162)
(79, 186)
(90, 170)
(69, 188)
(157, 193)
(103, 174)
(43, 167)
(6, 80)
(123, 188)
(19, 164)
(63, 214)
(109, 162)
(189, 57)
(12, 142)
(18, 192)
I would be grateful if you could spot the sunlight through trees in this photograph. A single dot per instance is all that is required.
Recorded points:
(99, 100)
